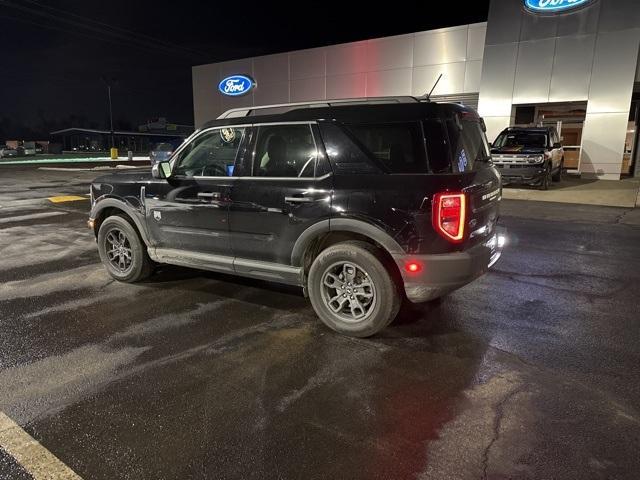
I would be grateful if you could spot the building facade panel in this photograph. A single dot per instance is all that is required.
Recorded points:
(613, 71)
(389, 53)
(475, 41)
(304, 89)
(271, 69)
(572, 66)
(347, 86)
(452, 81)
(442, 47)
(389, 82)
(346, 58)
(472, 76)
(533, 71)
(307, 63)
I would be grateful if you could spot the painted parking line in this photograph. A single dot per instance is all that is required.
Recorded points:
(66, 198)
(39, 462)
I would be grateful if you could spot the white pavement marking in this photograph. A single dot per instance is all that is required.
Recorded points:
(39, 462)
(31, 216)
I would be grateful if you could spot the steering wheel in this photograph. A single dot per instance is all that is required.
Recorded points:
(213, 170)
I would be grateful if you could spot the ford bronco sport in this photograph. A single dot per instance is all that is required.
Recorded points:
(532, 156)
(364, 204)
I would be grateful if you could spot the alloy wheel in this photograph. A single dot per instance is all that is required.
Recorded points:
(348, 291)
(118, 250)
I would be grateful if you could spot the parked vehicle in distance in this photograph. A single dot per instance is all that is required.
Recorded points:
(532, 156)
(6, 152)
(364, 204)
(29, 148)
(161, 152)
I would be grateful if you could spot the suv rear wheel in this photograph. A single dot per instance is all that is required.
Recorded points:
(351, 290)
(122, 251)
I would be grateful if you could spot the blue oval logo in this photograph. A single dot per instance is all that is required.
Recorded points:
(236, 85)
(552, 6)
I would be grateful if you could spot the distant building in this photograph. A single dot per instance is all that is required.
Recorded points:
(160, 125)
(90, 140)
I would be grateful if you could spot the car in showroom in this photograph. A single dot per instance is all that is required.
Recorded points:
(365, 204)
(529, 156)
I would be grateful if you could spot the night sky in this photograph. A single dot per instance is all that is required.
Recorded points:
(55, 53)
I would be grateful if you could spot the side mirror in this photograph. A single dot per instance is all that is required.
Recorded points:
(490, 144)
(161, 170)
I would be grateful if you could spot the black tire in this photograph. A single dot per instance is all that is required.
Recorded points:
(369, 275)
(546, 179)
(558, 175)
(139, 266)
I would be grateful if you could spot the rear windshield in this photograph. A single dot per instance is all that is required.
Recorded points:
(468, 144)
(397, 146)
(456, 144)
(521, 139)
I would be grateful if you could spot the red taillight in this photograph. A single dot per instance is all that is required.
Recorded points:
(449, 215)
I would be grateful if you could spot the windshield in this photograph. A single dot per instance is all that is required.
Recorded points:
(521, 139)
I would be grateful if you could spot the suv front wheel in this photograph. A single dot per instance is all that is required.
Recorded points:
(351, 290)
(122, 251)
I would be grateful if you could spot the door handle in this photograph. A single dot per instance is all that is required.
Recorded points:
(298, 200)
(209, 195)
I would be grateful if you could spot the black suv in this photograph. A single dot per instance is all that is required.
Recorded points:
(362, 204)
(532, 156)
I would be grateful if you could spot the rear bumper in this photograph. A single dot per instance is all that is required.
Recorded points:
(529, 174)
(441, 274)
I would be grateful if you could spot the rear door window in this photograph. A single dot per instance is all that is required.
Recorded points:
(398, 146)
(285, 151)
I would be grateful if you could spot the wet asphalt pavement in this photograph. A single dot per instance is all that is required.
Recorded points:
(531, 372)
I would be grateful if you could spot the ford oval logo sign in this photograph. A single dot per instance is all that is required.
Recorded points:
(553, 6)
(236, 85)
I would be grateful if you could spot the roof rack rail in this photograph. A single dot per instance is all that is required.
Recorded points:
(285, 107)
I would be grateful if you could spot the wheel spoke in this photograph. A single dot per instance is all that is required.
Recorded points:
(331, 280)
(340, 300)
(355, 307)
(363, 294)
(348, 272)
(112, 239)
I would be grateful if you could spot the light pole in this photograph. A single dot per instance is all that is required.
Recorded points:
(108, 83)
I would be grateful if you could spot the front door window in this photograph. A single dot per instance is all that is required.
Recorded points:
(212, 154)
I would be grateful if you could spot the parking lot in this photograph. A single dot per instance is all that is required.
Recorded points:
(530, 372)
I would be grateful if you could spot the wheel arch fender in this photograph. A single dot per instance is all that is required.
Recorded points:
(133, 213)
(350, 225)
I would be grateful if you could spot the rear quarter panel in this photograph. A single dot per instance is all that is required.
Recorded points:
(401, 205)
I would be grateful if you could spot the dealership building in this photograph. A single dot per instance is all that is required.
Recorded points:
(573, 64)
